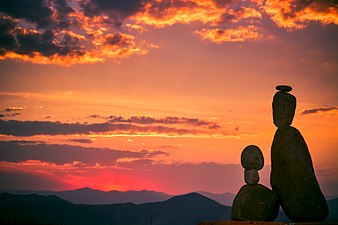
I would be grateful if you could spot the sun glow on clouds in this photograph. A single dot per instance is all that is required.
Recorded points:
(292, 14)
(70, 175)
(118, 126)
(95, 42)
(94, 31)
(239, 34)
(167, 13)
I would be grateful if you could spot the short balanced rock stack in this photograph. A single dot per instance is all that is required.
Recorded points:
(254, 202)
(292, 173)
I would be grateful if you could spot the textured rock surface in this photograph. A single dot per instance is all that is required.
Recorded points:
(251, 177)
(284, 106)
(255, 203)
(293, 177)
(252, 158)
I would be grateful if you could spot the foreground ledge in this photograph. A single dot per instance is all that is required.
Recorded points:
(230, 222)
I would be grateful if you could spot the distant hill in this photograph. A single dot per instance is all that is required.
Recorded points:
(180, 210)
(333, 207)
(224, 199)
(186, 209)
(95, 197)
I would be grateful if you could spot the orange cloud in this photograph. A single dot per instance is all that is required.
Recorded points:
(292, 14)
(87, 41)
(94, 31)
(244, 13)
(240, 34)
(167, 13)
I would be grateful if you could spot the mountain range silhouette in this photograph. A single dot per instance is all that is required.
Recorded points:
(188, 209)
(91, 196)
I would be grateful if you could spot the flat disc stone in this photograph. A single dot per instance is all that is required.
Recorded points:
(284, 88)
(252, 158)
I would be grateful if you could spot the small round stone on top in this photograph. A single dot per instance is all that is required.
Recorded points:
(252, 158)
(284, 88)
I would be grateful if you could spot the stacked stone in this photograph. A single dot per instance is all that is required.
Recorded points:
(252, 160)
(292, 173)
(254, 202)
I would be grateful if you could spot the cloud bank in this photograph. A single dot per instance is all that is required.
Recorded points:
(116, 125)
(89, 31)
(20, 151)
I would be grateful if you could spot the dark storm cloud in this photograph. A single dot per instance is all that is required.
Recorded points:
(31, 128)
(43, 13)
(15, 39)
(120, 8)
(45, 42)
(62, 32)
(18, 151)
(36, 11)
(62, 7)
(7, 39)
(317, 110)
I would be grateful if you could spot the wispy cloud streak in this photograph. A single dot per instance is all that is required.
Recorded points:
(119, 127)
(19, 151)
(318, 110)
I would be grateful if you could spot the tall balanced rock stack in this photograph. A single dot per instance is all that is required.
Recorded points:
(254, 201)
(292, 173)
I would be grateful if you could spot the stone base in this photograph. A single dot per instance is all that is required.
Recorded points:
(231, 222)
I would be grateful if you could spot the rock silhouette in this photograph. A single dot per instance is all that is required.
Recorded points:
(254, 202)
(292, 173)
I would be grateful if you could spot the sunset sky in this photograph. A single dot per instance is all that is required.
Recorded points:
(161, 94)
